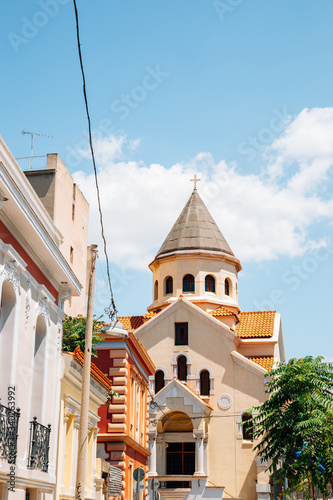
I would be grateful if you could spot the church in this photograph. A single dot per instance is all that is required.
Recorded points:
(211, 360)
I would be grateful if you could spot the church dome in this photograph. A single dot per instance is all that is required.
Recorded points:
(195, 261)
(195, 230)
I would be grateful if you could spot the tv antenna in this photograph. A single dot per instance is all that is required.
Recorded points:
(32, 134)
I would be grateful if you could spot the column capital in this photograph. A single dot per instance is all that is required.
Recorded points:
(199, 433)
(152, 433)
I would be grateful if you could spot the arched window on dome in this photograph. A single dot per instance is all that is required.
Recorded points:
(247, 422)
(227, 287)
(168, 285)
(204, 383)
(156, 290)
(182, 368)
(159, 381)
(210, 283)
(188, 283)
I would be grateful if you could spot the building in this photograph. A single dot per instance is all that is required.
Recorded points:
(70, 411)
(35, 280)
(211, 359)
(123, 437)
(69, 210)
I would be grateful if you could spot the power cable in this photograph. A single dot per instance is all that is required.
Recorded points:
(112, 310)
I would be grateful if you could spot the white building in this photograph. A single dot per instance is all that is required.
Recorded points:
(35, 279)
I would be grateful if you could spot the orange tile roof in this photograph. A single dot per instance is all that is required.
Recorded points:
(223, 312)
(256, 324)
(133, 322)
(264, 361)
(95, 372)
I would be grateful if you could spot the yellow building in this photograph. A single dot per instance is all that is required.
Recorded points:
(211, 359)
(70, 404)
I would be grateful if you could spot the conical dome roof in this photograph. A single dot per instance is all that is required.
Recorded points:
(195, 229)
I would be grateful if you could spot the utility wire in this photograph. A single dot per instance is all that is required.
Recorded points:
(112, 310)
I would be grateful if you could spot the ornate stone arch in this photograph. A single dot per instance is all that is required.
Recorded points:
(239, 422)
(188, 362)
(152, 378)
(211, 378)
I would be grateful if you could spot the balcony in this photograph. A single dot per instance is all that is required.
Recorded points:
(9, 420)
(39, 446)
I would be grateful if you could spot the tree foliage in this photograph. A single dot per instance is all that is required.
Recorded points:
(296, 423)
(74, 330)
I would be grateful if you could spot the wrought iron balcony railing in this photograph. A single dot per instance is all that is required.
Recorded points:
(39, 446)
(8, 433)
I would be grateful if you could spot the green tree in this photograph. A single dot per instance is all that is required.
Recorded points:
(74, 330)
(295, 424)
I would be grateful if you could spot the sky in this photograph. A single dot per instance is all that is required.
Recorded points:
(238, 92)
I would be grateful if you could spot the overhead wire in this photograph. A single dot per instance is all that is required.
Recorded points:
(112, 310)
(155, 421)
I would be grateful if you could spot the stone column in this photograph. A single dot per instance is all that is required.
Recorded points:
(152, 434)
(199, 435)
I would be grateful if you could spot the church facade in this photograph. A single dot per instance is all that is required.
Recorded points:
(211, 360)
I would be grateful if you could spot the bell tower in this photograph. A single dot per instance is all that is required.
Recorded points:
(195, 261)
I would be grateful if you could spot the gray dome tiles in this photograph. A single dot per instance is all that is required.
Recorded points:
(194, 230)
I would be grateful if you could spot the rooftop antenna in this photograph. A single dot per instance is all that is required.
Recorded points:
(32, 142)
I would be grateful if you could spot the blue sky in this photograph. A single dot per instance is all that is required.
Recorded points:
(239, 92)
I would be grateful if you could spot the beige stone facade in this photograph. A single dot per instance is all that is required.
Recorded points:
(211, 360)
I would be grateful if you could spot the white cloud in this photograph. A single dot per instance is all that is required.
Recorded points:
(262, 216)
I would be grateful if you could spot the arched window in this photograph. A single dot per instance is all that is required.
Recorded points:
(247, 422)
(159, 380)
(188, 283)
(156, 290)
(210, 283)
(168, 285)
(182, 368)
(227, 287)
(204, 383)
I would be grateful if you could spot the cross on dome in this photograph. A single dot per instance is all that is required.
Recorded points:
(195, 180)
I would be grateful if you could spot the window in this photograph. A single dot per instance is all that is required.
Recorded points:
(188, 283)
(247, 422)
(182, 368)
(180, 458)
(159, 381)
(71, 255)
(204, 383)
(210, 284)
(156, 290)
(181, 333)
(227, 286)
(168, 285)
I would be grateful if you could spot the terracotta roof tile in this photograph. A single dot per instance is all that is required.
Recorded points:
(223, 312)
(264, 361)
(256, 324)
(131, 323)
(95, 372)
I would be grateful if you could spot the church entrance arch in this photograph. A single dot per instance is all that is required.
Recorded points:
(179, 444)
